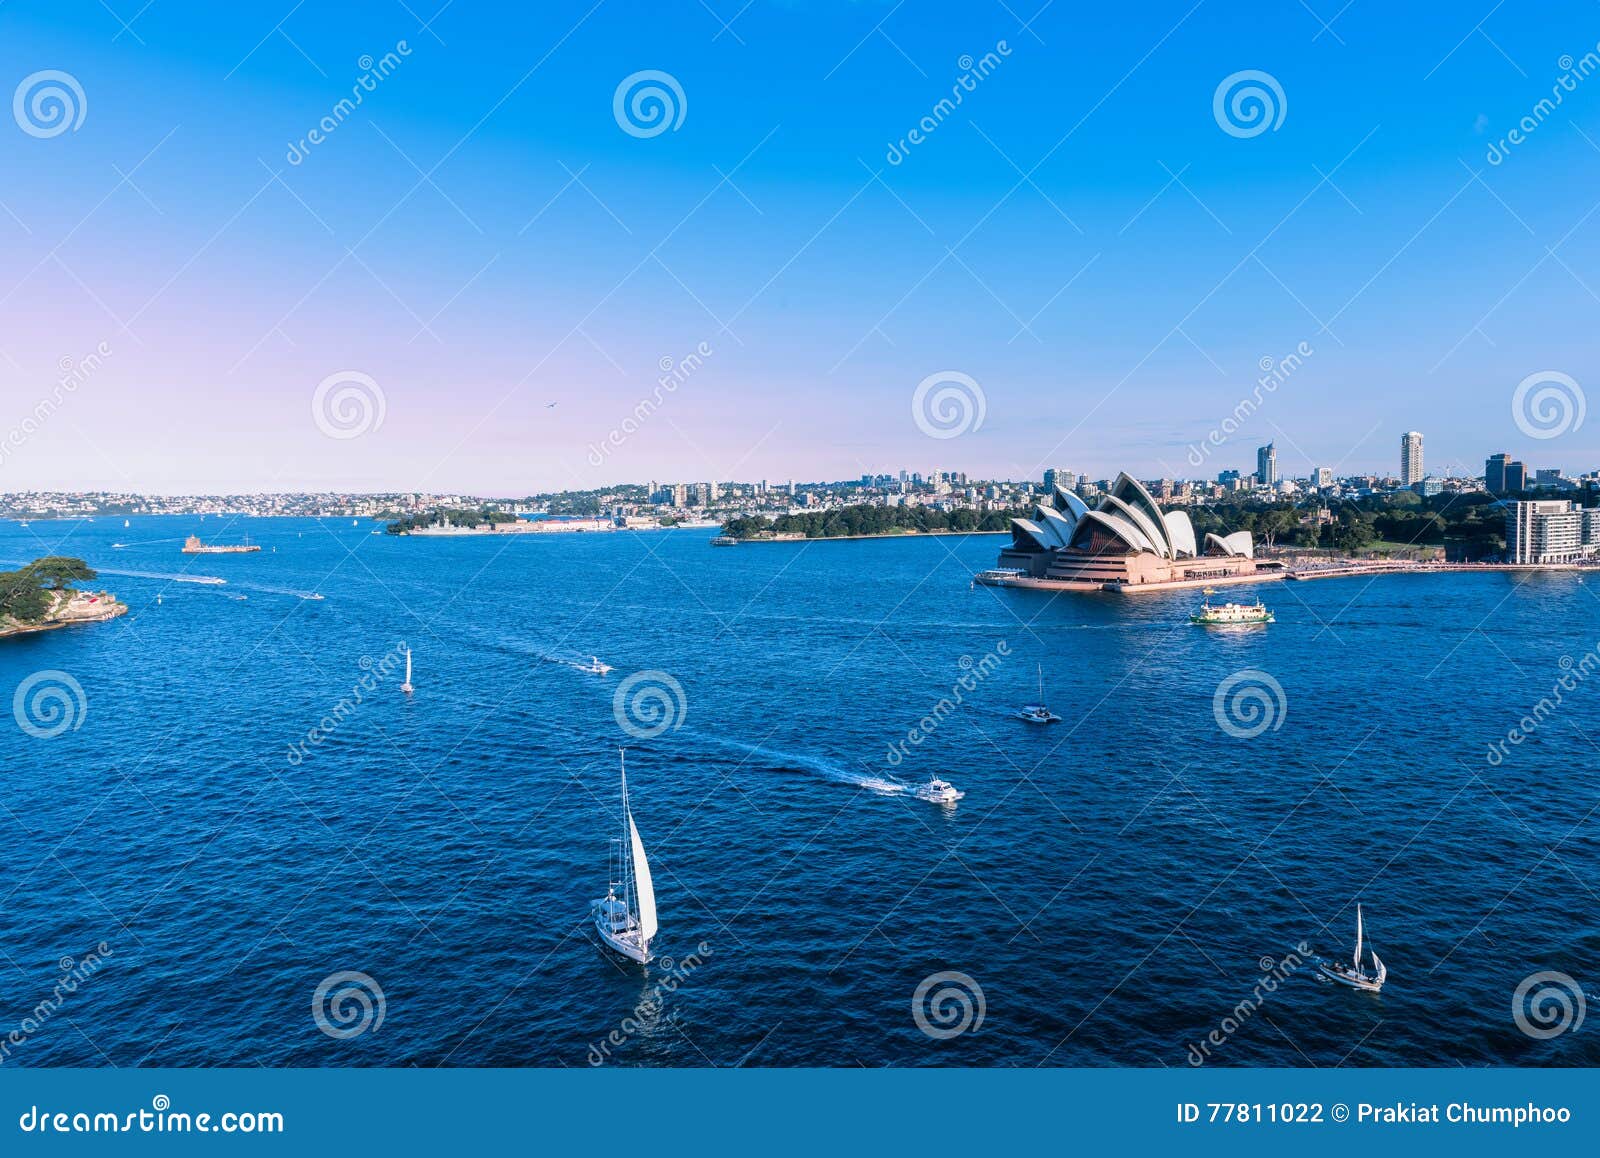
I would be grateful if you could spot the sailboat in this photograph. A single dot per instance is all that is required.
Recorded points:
(626, 923)
(1038, 713)
(405, 687)
(1353, 975)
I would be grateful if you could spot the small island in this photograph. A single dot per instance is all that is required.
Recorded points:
(37, 597)
(866, 522)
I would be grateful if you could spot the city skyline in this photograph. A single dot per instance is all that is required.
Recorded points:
(1116, 266)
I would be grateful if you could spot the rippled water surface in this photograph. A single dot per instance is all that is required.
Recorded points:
(1111, 883)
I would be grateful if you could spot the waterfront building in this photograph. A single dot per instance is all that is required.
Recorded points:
(1267, 465)
(1410, 458)
(1124, 539)
(1550, 531)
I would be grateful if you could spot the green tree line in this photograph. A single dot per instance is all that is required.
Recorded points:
(29, 593)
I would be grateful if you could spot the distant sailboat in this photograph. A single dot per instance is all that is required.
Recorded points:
(626, 923)
(405, 687)
(1038, 713)
(1353, 975)
(124, 522)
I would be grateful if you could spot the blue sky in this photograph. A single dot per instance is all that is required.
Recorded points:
(481, 239)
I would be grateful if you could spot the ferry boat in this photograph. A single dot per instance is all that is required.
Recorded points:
(193, 546)
(724, 541)
(1232, 613)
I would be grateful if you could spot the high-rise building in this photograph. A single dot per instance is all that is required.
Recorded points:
(1516, 477)
(1267, 465)
(1494, 473)
(1549, 532)
(1050, 476)
(1323, 477)
(1410, 458)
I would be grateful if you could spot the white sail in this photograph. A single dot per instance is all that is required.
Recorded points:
(1383, 970)
(643, 885)
(1358, 937)
(408, 665)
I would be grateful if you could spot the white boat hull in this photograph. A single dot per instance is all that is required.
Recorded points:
(1343, 977)
(625, 943)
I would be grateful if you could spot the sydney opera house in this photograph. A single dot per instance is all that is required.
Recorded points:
(1124, 542)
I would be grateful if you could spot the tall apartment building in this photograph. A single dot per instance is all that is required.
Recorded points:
(1410, 458)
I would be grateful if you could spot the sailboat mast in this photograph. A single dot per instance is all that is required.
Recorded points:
(628, 895)
(1358, 937)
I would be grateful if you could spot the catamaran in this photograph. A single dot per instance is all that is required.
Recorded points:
(1038, 713)
(405, 687)
(1353, 975)
(627, 922)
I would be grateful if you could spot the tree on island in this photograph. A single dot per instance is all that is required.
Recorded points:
(31, 593)
(60, 570)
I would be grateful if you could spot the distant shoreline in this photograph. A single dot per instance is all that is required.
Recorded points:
(842, 538)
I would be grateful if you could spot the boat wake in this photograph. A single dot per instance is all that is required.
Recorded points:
(289, 591)
(813, 766)
(163, 576)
